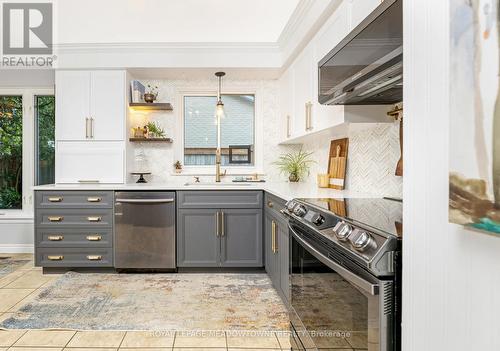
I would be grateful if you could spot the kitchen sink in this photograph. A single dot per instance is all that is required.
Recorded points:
(216, 184)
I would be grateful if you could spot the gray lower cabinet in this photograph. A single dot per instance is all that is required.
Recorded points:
(74, 228)
(277, 246)
(241, 237)
(198, 243)
(219, 236)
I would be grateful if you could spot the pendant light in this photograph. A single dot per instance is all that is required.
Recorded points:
(219, 109)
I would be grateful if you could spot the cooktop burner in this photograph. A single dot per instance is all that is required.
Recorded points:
(381, 214)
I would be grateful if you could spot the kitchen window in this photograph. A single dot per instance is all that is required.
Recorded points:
(26, 147)
(237, 130)
(11, 151)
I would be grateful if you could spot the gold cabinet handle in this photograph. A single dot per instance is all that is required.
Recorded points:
(223, 231)
(55, 199)
(94, 257)
(55, 237)
(55, 218)
(94, 238)
(274, 244)
(270, 204)
(288, 134)
(94, 199)
(217, 224)
(94, 219)
(55, 258)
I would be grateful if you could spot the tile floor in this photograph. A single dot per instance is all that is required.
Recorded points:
(18, 287)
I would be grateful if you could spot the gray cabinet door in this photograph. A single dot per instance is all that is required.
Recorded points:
(272, 263)
(241, 238)
(197, 242)
(284, 258)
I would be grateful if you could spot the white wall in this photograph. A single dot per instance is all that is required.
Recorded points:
(451, 278)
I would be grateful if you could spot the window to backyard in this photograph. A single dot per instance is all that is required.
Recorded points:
(237, 130)
(21, 115)
(11, 151)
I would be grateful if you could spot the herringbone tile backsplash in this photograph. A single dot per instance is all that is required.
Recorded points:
(373, 156)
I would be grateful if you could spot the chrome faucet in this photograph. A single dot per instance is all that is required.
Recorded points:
(218, 174)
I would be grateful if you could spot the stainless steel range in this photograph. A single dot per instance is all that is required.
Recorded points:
(345, 273)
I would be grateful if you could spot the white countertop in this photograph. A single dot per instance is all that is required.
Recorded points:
(284, 190)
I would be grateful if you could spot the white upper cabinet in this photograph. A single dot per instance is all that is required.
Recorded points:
(333, 31)
(299, 84)
(72, 105)
(108, 104)
(286, 106)
(360, 9)
(303, 71)
(90, 105)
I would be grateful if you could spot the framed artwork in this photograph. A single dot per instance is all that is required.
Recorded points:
(474, 178)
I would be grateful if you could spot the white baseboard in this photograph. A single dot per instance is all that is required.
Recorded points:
(16, 248)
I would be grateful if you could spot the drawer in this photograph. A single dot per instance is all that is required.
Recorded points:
(85, 237)
(74, 199)
(74, 257)
(61, 218)
(220, 199)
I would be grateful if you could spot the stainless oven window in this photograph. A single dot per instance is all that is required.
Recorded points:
(332, 312)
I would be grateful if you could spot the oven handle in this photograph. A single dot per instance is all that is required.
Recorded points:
(366, 286)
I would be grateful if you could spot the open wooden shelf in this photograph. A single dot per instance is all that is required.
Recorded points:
(154, 106)
(151, 140)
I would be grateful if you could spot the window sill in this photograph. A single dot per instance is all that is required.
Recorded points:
(16, 215)
(211, 173)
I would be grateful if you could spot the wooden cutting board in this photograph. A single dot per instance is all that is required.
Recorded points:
(337, 163)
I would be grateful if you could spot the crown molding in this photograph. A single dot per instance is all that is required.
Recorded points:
(305, 21)
(294, 21)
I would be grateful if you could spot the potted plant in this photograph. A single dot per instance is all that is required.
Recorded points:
(155, 130)
(178, 167)
(295, 164)
(151, 94)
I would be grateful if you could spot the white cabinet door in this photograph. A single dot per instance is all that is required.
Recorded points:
(360, 9)
(333, 31)
(303, 69)
(90, 161)
(107, 108)
(286, 98)
(72, 105)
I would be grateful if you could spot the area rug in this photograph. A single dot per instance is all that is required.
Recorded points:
(187, 301)
(11, 264)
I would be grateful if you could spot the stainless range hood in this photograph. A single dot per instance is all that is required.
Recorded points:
(366, 68)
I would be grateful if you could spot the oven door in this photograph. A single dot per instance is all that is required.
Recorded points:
(335, 307)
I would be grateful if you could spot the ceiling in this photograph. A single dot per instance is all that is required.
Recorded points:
(172, 21)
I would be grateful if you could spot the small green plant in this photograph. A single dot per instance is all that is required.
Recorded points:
(155, 130)
(295, 164)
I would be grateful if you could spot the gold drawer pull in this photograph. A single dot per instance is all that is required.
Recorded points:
(55, 237)
(55, 219)
(94, 199)
(55, 258)
(55, 199)
(94, 257)
(94, 238)
(270, 204)
(94, 219)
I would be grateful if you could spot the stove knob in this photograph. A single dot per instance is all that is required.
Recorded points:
(318, 219)
(290, 205)
(342, 231)
(362, 241)
(300, 211)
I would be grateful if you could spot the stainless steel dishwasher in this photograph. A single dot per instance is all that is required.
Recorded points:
(145, 230)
